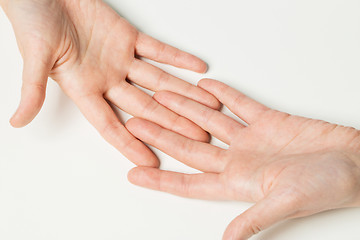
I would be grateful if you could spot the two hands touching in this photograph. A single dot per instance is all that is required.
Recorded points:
(283, 163)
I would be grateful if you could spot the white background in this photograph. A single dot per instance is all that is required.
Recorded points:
(60, 180)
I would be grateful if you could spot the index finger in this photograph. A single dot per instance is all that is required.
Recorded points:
(241, 105)
(213, 121)
(209, 186)
(199, 155)
(151, 48)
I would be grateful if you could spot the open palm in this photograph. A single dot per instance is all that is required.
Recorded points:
(290, 166)
(87, 48)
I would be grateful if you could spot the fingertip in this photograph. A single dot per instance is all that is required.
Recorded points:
(141, 155)
(132, 123)
(203, 136)
(144, 129)
(214, 103)
(131, 176)
(203, 67)
(167, 99)
(163, 97)
(141, 176)
(152, 161)
(214, 88)
(210, 99)
(191, 130)
(206, 68)
(16, 121)
(138, 152)
(191, 62)
(134, 175)
(183, 125)
(32, 100)
(207, 98)
(136, 126)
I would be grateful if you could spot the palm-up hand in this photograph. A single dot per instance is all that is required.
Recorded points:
(87, 48)
(290, 166)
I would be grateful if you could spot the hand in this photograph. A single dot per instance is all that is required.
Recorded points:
(89, 50)
(290, 166)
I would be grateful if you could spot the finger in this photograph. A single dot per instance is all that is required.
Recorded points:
(151, 48)
(244, 107)
(199, 155)
(207, 186)
(137, 103)
(262, 215)
(215, 122)
(35, 74)
(150, 77)
(102, 117)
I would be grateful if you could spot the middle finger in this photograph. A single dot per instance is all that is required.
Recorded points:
(137, 103)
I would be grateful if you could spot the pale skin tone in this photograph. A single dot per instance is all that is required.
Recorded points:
(283, 163)
(90, 51)
(289, 166)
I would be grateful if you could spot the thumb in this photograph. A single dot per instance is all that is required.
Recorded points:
(35, 74)
(262, 215)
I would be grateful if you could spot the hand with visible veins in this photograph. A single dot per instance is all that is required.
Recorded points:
(289, 166)
(89, 50)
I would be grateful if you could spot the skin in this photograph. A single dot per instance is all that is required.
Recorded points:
(289, 166)
(90, 51)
